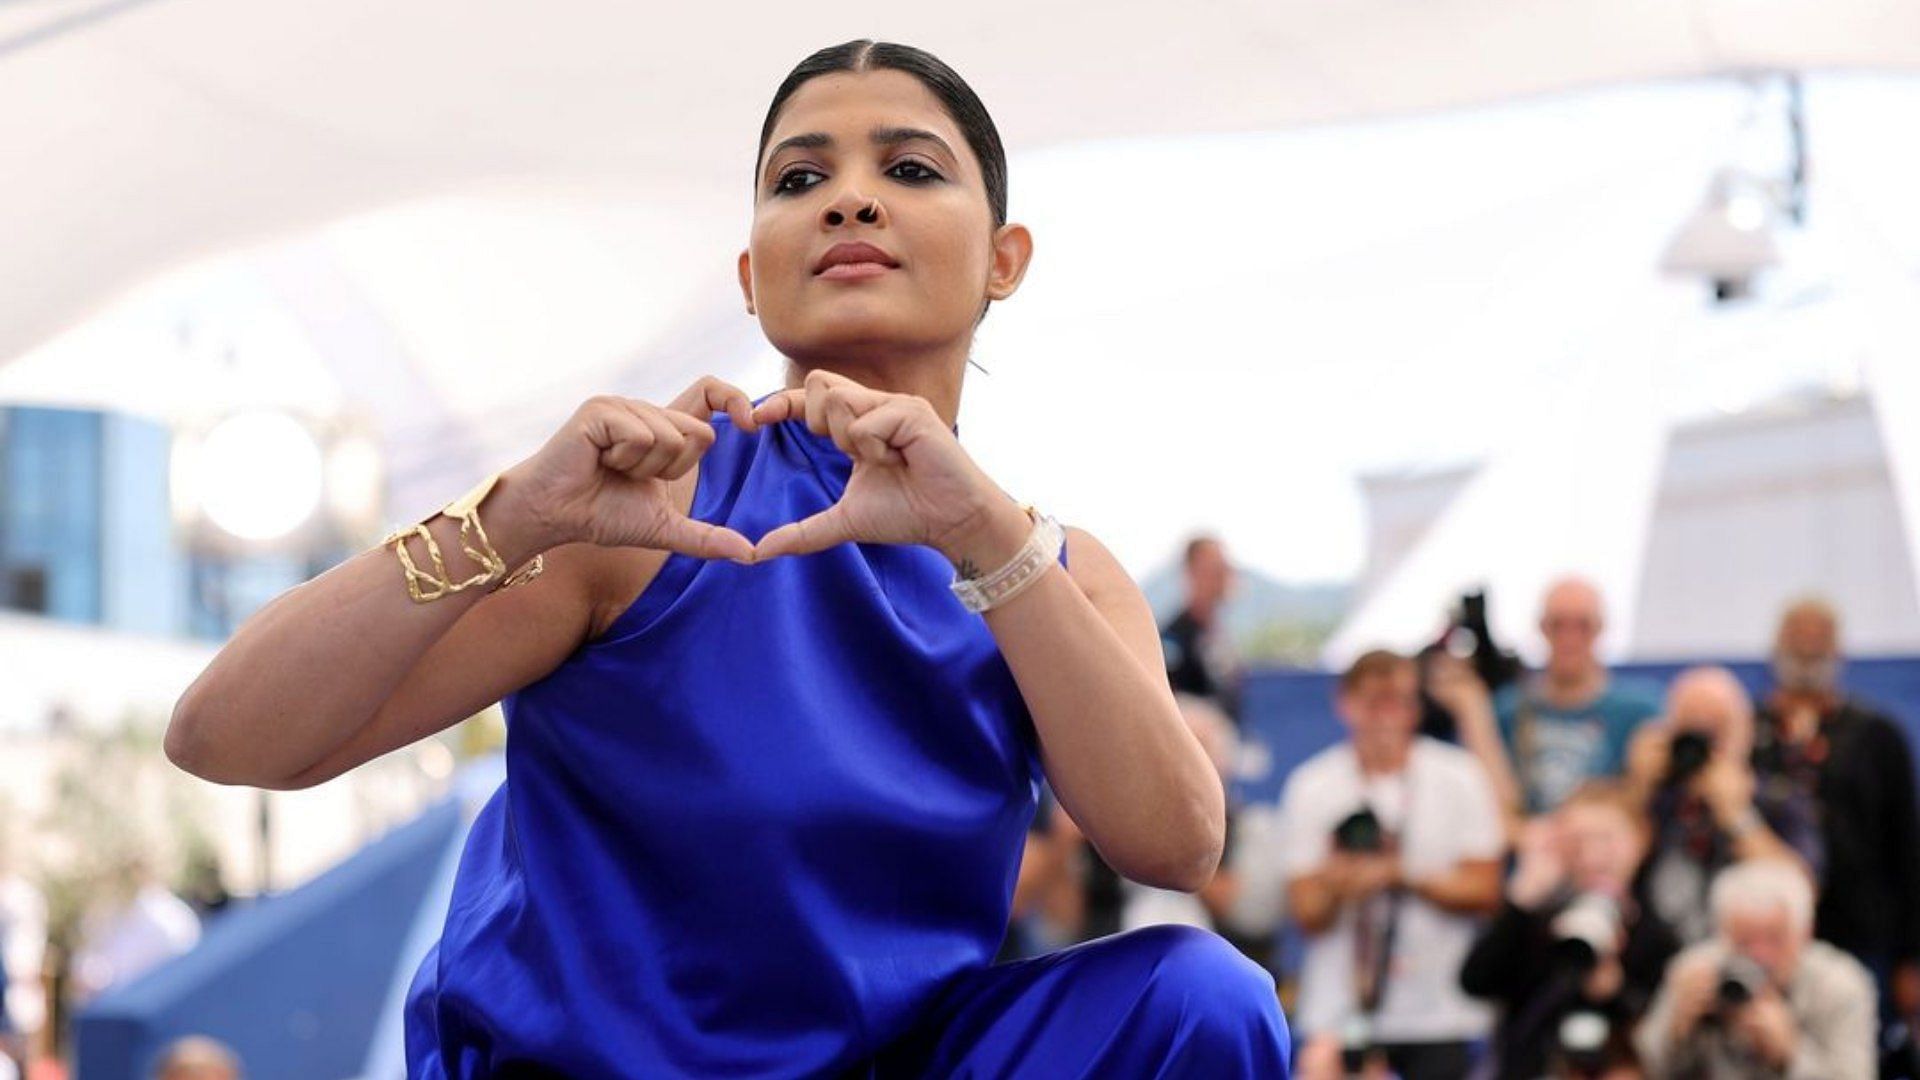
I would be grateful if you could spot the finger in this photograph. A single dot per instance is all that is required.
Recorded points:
(895, 425)
(667, 440)
(703, 540)
(818, 384)
(840, 414)
(622, 438)
(711, 395)
(806, 536)
(699, 438)
(781, 406)
(828, 391)
(874, 434)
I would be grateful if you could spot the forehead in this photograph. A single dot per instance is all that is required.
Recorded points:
(1806, 630)
(849, 104)
(1752, 921)
(1396, 682)
(1572, 599)
(1593, 816)
(1700, 701)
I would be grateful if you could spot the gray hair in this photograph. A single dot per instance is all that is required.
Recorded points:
(1760, 885)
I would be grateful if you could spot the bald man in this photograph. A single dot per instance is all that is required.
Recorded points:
(1572, 721)
(1854, 764)
(1709, 815)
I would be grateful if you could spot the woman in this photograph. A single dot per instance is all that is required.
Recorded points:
(766, 798)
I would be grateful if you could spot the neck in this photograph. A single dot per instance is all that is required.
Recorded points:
(933, 373)
(1572, 687)
(1381, 758)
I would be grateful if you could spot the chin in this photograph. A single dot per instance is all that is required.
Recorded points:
(854, 330)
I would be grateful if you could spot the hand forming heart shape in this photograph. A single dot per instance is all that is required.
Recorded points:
(912, 482)
(604, 477)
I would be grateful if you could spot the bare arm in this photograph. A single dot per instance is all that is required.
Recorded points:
(1459, 689)
(1472, 887)
(1313, 902)
(346, 667)
(1083, 646)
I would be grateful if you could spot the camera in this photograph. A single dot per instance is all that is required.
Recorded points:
(1687, 754)
(1583, 1041)
(1360, 833)
(1741, 980)
(1586, 931)
(1469, 638)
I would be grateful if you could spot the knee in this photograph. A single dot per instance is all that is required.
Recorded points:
(1218, 1008)
(1199, 968)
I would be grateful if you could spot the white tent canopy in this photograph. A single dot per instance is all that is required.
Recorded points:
(141, 134)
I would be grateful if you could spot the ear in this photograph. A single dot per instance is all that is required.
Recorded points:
(746, 279)
(1012, 250)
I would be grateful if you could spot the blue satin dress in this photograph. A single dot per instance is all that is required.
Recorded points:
(768, 825)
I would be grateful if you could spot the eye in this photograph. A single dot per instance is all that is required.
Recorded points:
(781, 186)
(917, 172)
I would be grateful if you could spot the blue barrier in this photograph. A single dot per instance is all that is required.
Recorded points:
(1290, 713)
(292, 983)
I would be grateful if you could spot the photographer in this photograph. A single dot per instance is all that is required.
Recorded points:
(1762, 998)
(1817, 742)
(1693, 770)
(1572, 958)
(1573, 721)
(1391, 845)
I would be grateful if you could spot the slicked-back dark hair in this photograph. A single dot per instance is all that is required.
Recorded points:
(961, 103)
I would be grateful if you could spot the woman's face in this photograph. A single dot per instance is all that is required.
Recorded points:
(847, 142)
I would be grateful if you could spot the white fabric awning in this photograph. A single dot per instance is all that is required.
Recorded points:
(139, 135)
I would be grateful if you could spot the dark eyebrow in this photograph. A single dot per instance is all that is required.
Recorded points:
(881, 136)
(888, 136)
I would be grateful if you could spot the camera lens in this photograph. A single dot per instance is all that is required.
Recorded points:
(1687, 754)
(1360, 832)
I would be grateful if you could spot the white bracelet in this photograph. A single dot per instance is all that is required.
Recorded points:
(1042, 548)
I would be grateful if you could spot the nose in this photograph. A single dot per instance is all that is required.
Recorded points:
(864, 208)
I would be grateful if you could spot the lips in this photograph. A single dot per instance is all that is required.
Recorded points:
(858, 257)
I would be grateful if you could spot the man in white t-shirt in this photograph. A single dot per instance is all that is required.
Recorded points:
(1391, 848)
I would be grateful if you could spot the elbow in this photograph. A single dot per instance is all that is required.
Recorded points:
(1188, 871)
(185, 744)
(1185, 858)
(194, 750)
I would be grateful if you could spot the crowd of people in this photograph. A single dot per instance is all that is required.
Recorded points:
(1572, 874)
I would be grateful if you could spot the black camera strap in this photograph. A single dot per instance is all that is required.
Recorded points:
(1374, 967)
(1373, 947)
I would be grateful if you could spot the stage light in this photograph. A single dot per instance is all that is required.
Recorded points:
(1728, 240)
(257, 475)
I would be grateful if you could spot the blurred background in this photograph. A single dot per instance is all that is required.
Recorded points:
(1395, 303)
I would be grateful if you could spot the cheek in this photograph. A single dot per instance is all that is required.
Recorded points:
(776, 252)
(949, 244)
